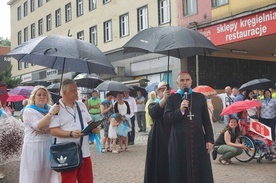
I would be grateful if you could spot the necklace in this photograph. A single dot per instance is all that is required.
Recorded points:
(73, 115)
(190, 115)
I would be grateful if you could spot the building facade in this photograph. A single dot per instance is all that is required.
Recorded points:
(109, 24)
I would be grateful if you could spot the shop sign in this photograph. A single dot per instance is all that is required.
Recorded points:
(26, 77)
(51, 72)
(248, 27)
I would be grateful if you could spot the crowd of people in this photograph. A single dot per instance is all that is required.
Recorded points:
(181, 130)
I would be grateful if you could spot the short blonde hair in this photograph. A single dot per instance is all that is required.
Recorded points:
(32, 96)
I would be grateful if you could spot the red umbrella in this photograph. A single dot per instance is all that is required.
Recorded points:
(22, 90)
(3, 94)
(205, 90)
(240, 106)
(15, 98)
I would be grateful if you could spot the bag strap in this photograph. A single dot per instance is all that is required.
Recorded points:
(81, 120)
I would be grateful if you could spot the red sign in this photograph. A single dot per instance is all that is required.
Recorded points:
(248, 27)
(260, 129)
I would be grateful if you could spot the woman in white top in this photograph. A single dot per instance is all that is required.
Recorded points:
(35, 166)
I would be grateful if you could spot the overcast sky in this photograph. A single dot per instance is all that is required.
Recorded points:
(5, 19)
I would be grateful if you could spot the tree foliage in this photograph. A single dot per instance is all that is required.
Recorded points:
(5, 42)
(5, 78)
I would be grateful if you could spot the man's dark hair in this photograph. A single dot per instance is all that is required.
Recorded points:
(108, 94)
(94, 91)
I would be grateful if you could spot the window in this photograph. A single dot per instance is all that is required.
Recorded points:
(19, 13)
(142, 14)
(92, 5)
(164, 11)
(33, 31)
(79, 8)
(32, 2)
(58, 18)
(68, 12)
(19, 66)
(26, 65)
(124, 27)
(189, 7)
(107, 31)
(19, 37)
(80, 35)
(39, 3)
(106, 1)
(93, 35)
(25, 34)
(49, 22)
(216, 3)
(40, 26)
(26, 8)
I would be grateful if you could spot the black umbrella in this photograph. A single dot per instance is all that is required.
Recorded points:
(88, 80)
(63, 53)
(170, 40)
(133, 92)
(112, 86)
(257, 84)
(53, 87)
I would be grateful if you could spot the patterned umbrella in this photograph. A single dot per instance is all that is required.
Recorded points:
(205, 90)
(11, 139)
(22, 90)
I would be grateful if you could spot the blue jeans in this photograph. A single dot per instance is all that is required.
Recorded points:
(131, 135)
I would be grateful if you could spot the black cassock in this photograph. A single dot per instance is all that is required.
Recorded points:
(189, 161)
(157, 169)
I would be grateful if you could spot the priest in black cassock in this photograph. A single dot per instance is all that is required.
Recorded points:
(191, 137)
(157, 168)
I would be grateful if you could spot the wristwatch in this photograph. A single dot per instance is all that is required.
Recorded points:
(71, 133)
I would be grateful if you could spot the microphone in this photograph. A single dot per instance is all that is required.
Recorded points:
(186, 90)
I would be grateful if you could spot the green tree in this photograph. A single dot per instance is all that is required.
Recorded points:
(5, 42)
(5, 78)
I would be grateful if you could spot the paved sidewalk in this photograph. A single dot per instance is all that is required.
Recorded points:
(128, 167)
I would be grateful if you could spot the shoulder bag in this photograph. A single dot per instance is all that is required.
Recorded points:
(67, 156)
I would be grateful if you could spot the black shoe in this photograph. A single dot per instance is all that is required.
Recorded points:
(131, 143)
(140, 130)
(214, 154)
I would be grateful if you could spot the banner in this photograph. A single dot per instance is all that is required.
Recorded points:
(248, 27)
(260, 129)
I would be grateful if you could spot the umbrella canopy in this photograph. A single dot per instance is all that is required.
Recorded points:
(3, 93)
(240, 106)
(54, 86)
(257, 84)
(205, 90)
(151, 87)
(15, 98)
(170, 40)
(112, 86)
(88, 80)
(133, 92)
(22, 90)
(63, 53)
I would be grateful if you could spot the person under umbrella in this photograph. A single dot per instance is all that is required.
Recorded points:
(268, 111)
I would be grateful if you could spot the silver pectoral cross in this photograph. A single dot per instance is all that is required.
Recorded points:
(190, 115)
